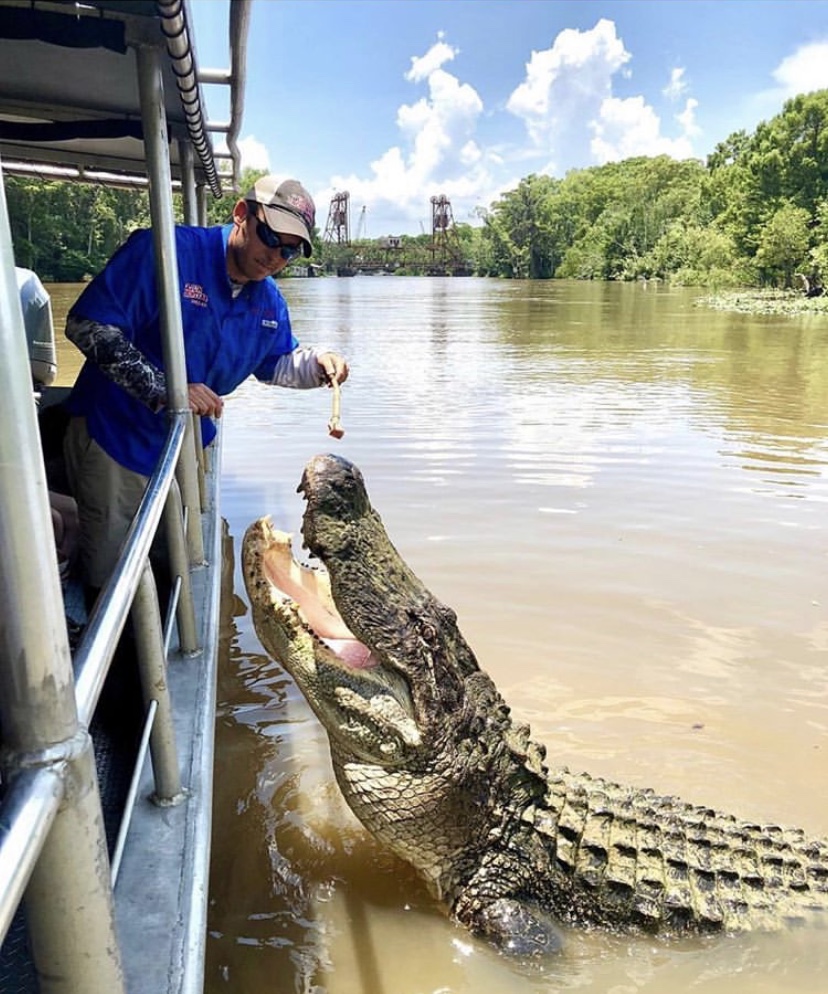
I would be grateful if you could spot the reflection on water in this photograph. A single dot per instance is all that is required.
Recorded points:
(623, 497)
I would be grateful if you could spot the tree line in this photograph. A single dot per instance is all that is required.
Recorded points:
(754, 214)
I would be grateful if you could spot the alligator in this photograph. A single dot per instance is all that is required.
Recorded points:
(430, 760)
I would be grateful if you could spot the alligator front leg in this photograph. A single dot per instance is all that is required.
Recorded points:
(514, 927)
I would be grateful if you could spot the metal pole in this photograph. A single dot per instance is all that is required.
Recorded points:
(132, 795)
(29, 807)
(199, 458)
(187, 156)
(149, 642)
(201, 200)
(172, 339)
(177, 549)
(69, 899)
(188, 190)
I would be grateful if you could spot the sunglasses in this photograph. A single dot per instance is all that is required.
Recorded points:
(272, 240)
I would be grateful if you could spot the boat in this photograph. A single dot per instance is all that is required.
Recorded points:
(96, 900)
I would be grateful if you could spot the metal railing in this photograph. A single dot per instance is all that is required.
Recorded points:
(52, 774)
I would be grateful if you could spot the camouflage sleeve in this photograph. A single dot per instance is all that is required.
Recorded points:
(119, 360)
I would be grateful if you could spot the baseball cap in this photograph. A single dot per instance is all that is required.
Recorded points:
(288, 207)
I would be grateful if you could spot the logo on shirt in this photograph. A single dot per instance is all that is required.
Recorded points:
(195, 293)
(270, 318)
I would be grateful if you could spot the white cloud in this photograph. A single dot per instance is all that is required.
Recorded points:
(438, 153)
(424, 65)
(570, 111)
(677, 86)
(470, 153)
(804, 71)
(568, 80)
(437, 124)
(631, 127)
(687, 118)
(254, 154)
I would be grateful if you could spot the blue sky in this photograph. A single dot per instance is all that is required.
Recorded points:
(397, 101)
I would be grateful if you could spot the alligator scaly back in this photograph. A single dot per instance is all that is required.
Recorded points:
(430, 760)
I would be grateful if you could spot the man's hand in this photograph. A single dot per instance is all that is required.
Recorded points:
(333, 366)
(203, 401)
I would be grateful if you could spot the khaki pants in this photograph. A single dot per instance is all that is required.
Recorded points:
(107, 496)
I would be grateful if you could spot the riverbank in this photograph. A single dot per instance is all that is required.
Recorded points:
(747, 301)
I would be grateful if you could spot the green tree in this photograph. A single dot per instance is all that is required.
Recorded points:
(618, 213)
(783, 245)
(691, 254)
(755, 211)
(521, 231)
(818, 255)
(785, 161)
(66, 231)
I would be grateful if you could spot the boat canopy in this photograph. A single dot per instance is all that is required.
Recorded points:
(70, 105)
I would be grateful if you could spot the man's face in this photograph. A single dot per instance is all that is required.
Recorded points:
(248, 256)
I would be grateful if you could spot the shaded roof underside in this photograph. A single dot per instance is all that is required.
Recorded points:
(69, 94)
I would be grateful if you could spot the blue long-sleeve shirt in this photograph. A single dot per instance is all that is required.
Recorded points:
(227, 337)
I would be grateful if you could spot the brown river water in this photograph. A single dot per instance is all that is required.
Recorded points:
(623, 496)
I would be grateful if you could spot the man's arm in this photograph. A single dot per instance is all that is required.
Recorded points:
(124, 364)
(308, 367)
(119, 360)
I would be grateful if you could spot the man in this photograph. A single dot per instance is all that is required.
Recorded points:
(235, 323)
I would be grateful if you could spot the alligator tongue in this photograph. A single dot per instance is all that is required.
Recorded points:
(352, 653)
(302, 585)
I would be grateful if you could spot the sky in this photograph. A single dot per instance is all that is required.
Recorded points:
(399, 101)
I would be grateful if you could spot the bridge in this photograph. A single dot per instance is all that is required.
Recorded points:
(441, 255)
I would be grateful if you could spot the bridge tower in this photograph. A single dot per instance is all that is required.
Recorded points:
(338, 226)
(446, 251)
(337, 237)
(442, 218)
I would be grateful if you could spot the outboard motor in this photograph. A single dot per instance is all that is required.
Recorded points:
(40, 331)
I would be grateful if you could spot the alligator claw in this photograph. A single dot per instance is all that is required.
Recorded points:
(518, 929)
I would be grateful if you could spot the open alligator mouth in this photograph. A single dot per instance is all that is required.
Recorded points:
(337, 629)
(364, 707)
(367, 613)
